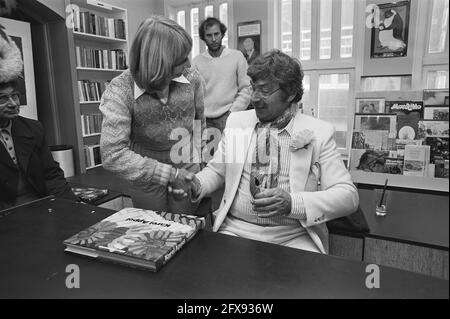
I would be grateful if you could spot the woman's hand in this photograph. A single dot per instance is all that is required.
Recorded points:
(183, 185)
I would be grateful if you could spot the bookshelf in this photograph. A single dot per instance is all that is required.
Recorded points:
(98, 41)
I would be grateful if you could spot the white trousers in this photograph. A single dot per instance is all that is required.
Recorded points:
(285, 235)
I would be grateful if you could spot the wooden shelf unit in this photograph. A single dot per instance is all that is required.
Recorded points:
(81, 39)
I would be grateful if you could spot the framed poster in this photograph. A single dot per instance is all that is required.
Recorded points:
(390, 36)
(249, 39)
(369, 106)
(20, 33)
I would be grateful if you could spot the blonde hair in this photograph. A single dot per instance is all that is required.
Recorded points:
(160, 44)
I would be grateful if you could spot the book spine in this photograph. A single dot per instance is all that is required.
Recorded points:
(166, 257)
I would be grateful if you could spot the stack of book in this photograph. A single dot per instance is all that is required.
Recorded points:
(136, 237)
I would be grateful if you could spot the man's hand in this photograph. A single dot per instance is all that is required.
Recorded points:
(272, 202)
(186, 184)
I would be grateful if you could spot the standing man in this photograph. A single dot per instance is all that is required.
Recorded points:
(225, 74)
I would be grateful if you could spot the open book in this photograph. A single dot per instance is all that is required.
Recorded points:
(136, 237)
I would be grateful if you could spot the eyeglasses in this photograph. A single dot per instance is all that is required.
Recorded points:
(15, 97)
(263, 95)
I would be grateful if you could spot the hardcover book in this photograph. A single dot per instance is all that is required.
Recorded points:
(136, 237)
(416, 160)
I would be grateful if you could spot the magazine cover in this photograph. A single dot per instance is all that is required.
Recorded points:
(375, 140)
(136, 237)
(368, 160)
(409, 114)
(438, 148)
(433, 129)
(416, 160)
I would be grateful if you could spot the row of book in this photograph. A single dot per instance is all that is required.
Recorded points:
(87, 22)
(91, 124)
(90, 91)
(92, 155)
(100, 58)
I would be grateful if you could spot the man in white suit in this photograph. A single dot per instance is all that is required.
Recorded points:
(285, 197)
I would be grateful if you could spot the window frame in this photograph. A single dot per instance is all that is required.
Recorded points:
(314, 76)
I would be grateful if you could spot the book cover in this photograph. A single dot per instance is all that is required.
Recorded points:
(433, 129)
(371, 139)
(368, 160)
(89, 194)
(409, 114)
(416, 160)
(438, 148)
(136, 237)
(441, 168)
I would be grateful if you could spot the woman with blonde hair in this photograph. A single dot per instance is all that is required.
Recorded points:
(153, 117)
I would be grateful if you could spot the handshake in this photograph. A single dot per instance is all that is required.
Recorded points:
(183, 184)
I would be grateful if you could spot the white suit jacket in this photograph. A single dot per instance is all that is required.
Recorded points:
(338, 195)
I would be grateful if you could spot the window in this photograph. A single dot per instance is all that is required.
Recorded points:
(324, 45)
(305, 30)
(439, 26)
(190, 15)
(333, 31)
(437, 79)
(223, 16)
(209, 11)
(333, 103)
(347, 12)
(181, 18)
(325, 28)
(286, 26)
(194, 32)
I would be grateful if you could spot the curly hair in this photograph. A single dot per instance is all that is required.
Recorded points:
(279, 67)
(208, 23)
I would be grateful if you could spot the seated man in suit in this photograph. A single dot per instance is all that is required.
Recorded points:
(27, 168)
(285, 197)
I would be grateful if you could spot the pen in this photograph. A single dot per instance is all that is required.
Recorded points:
(382, 194)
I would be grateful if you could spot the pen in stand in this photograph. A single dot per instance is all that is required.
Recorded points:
(384, 191)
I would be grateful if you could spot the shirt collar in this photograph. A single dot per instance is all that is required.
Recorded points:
(288, 128)
(138, 92)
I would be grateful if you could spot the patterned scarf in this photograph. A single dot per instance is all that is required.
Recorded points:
(265, 165)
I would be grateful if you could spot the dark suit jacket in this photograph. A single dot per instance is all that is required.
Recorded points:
(36, 162)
